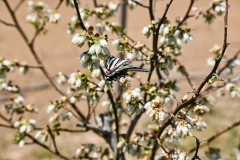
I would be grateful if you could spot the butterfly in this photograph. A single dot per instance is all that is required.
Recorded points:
(117, 68)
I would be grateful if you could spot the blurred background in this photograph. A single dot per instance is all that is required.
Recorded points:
(58, 54)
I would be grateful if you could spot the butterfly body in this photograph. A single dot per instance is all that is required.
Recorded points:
(117, 68)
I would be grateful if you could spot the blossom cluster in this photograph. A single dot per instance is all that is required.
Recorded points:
(7, 66)
(40, 14)
(217, 8)
(102, 11)
(132, 99)
(90, 150)
(232, 88)
(153, 109)
(98, 49)
(176, 155)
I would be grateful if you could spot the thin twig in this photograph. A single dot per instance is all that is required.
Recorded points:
(53, 139)
(59, 4)
(140, 4)
(187, 14)
(115, 119)
(18, 5)
(95, 3)
(186, 75)
(46, 147)
(155, 36)
(7, 24)
(90, 127)
(79, 16)
(5, 119)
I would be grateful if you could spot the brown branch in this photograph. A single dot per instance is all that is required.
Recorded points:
(155, 37)
(187, 14)
(6, 126)
(217, 60)
(5, 119)
(213, 137)
(59, 4)
(95, 3)
(18, 5)
(30, 45)
(115, 119)
(53, 139)
(186, 75)
(79, 16)
(7, 24)
(89, 126)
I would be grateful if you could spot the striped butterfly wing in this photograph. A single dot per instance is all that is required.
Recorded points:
(113, 64)
(117, 68)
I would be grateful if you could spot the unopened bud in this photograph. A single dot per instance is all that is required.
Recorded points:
(185, 97)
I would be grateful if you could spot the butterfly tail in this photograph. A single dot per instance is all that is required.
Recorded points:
(136, 69)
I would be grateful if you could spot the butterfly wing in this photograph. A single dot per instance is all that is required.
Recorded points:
(112, 64)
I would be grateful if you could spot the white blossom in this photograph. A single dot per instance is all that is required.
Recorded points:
(113, 6)
(96, 73)
(78, 40)
(92, 49)
(72, 99)
(211, 61)
(103, 43)
(16, 124)
(18, 100)
(21, 143)
(50, 108)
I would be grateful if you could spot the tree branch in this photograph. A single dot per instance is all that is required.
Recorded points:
(189, 102)
(187, 14)
(53, 139)
(79, 16)
(18, 5)
(140, 4)
(47, 148)
(7, 24)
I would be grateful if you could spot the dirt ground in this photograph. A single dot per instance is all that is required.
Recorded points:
(58, 54)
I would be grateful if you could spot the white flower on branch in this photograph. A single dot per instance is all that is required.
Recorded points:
(104, 85)
(113, 6)
(54, 17)
(61, 78)
(21, 143)
(18, 99)
(96, 73)
(78, 40)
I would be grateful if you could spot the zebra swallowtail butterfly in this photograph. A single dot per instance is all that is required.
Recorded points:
(117, 68)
